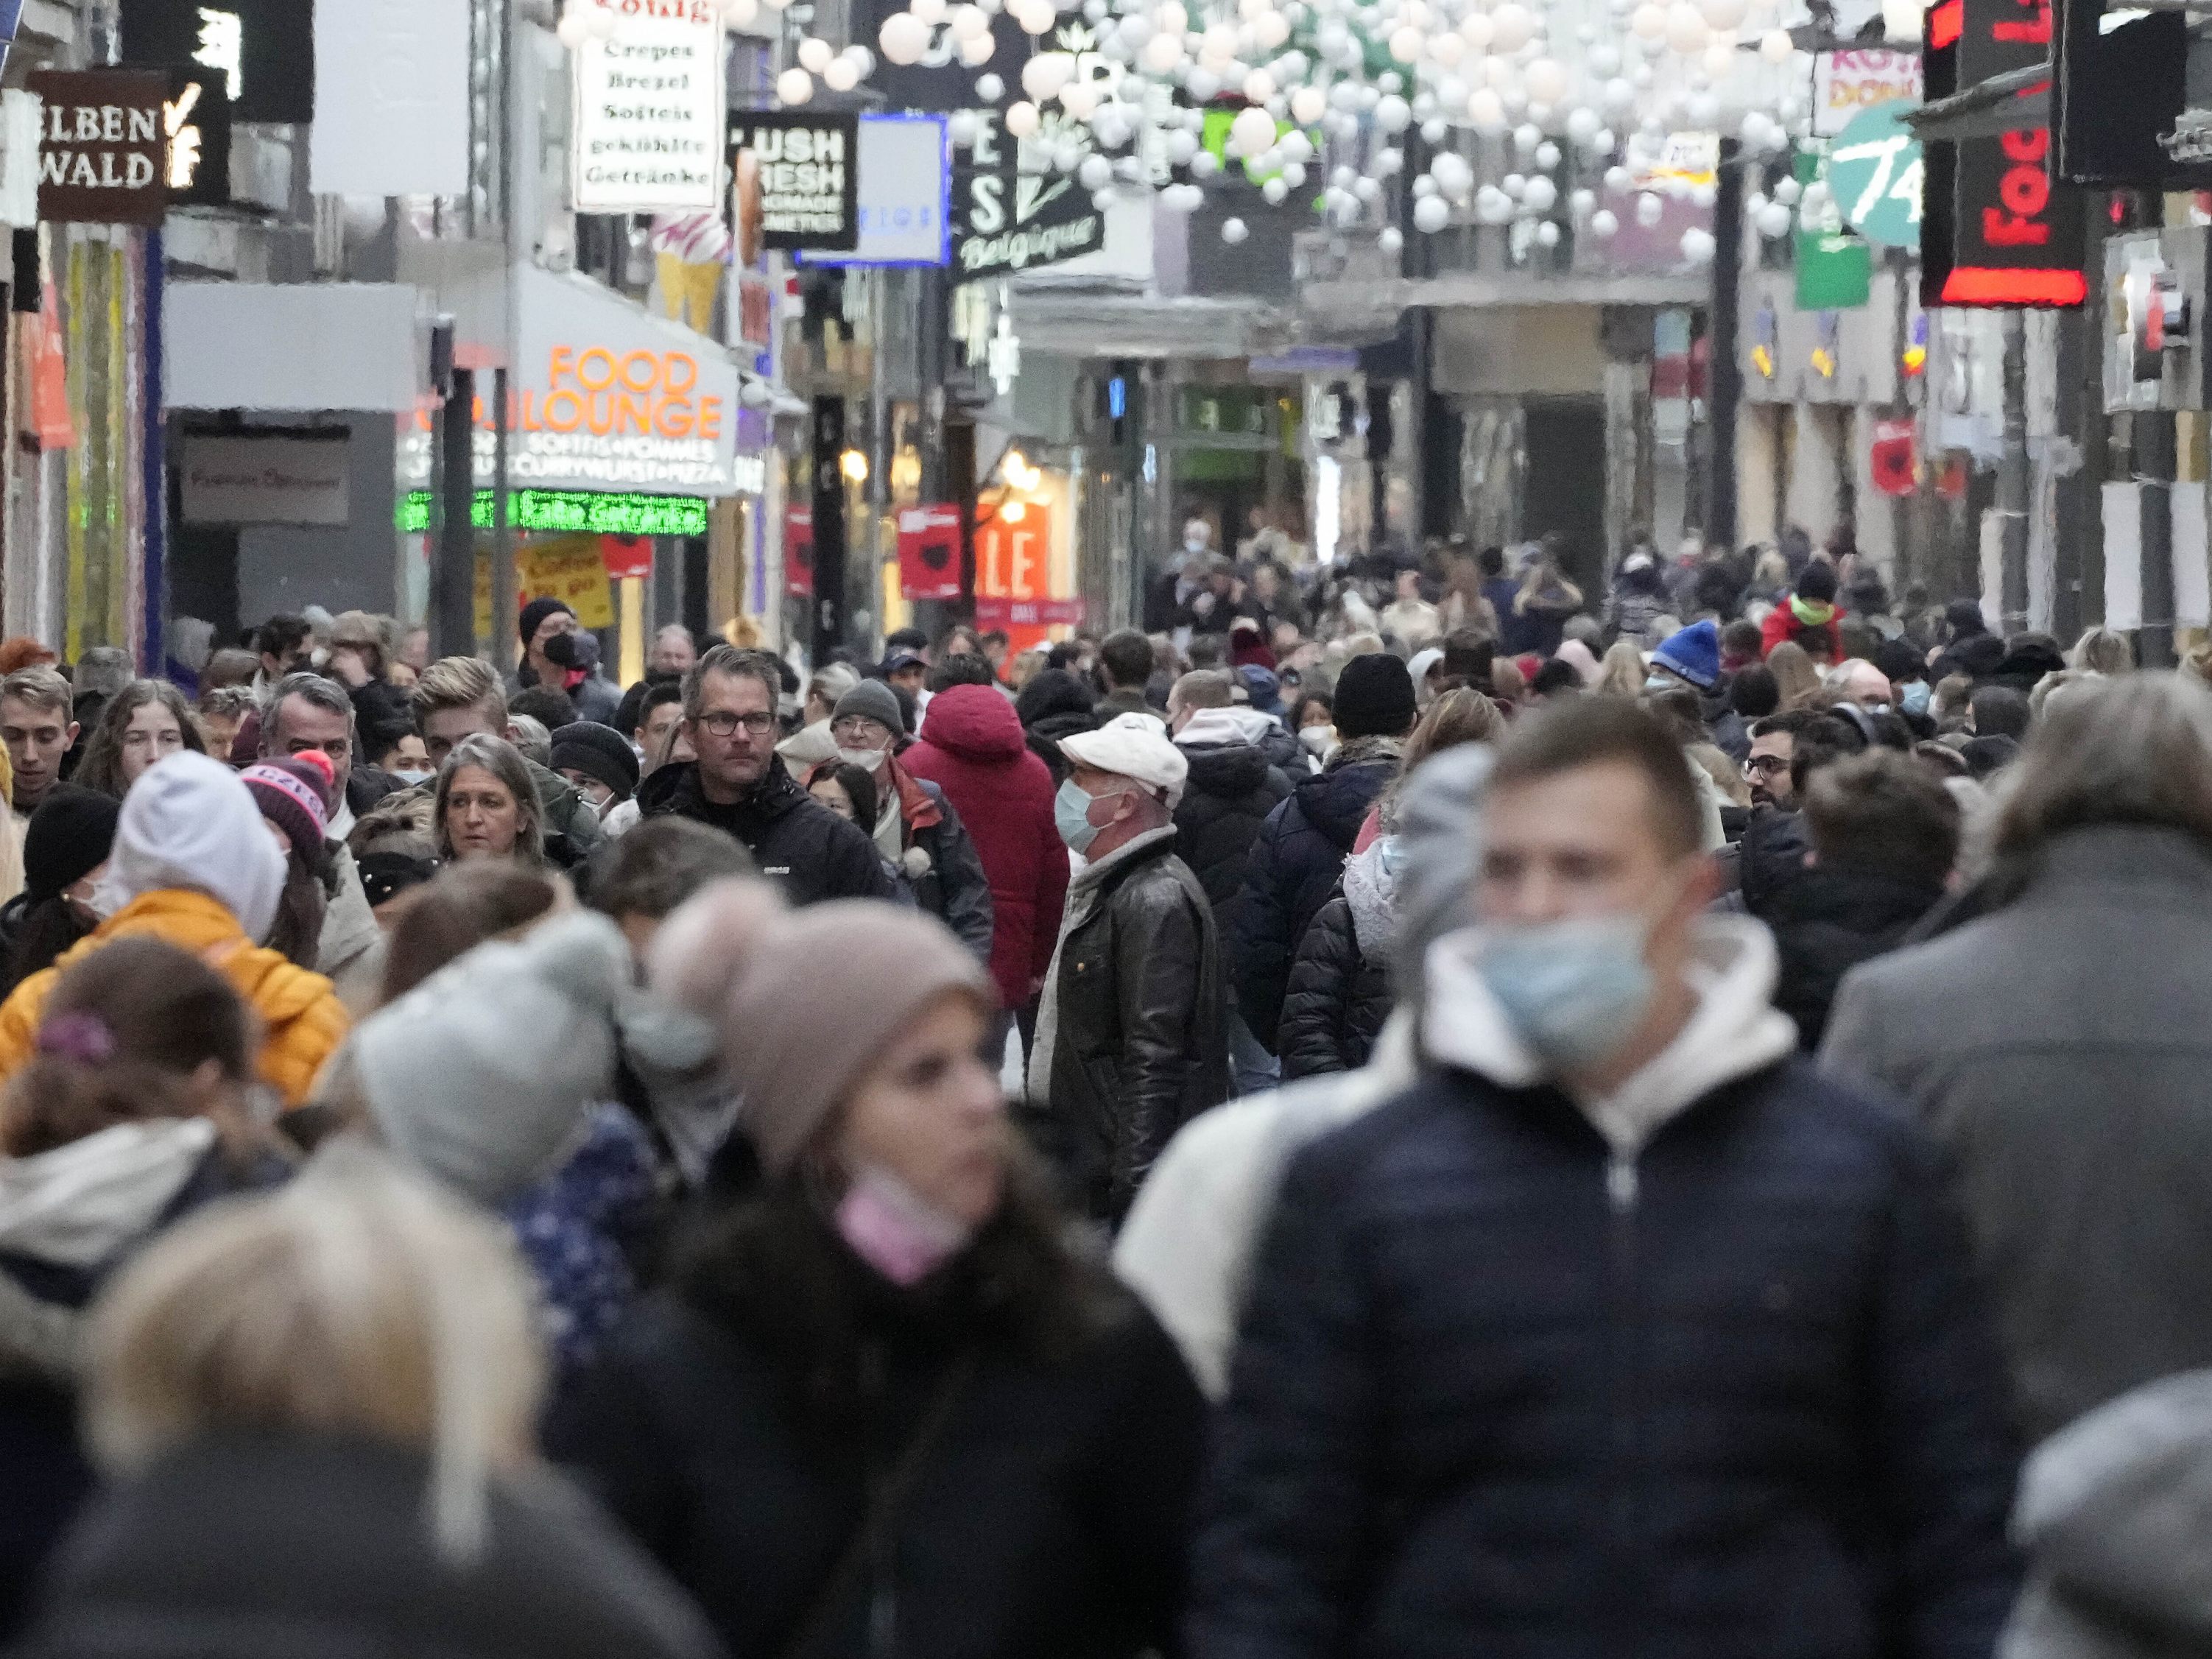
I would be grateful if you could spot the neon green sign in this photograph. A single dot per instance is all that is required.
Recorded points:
(575, 511)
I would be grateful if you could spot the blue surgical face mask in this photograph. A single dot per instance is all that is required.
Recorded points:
(411, 776)
(1913, 697)
(1659, 682)
(1573, 991)
(1071, 815)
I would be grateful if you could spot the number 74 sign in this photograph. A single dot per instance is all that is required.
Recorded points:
(1874, 176)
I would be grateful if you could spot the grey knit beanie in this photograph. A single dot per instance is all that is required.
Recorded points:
(823, 992)
(875, 700)
(483, 1074)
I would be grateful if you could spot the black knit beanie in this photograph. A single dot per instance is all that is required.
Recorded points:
(70, 836)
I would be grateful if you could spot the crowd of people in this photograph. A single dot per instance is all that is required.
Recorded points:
(1407, 1110)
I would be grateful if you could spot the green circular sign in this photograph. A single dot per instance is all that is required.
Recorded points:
(1874, 174)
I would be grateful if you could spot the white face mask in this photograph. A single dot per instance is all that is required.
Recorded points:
(870, 761)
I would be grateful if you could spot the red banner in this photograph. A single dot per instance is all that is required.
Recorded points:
(799, 552)
(1011, 614)
(1013, 577)
(626, 556)
(1894, 460)
(929, 551)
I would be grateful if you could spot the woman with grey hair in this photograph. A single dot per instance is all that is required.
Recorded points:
(486, 804)
(317, 1410)
(2059, 1041)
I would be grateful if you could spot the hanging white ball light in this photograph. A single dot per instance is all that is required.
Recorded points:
(1650, 209)
(1163, 54)
(1686, 29)
(1719, 58)
(1294, 175)
(1430, 215)
(1698, 246)
(1234, 231)
(1548, 156)
(1776, 46)
(1604, 224)
(571, 31)
(1308, 106)
(1486, 111)
(1393, 115)
(968, 21)
(1724, 16)
(990, 88)
(1452, 173)
(1387, 162)
(1512, 27)
(1618, 180)
(1201, 84)
(599, 23)
(1477, 30)
(1540, 195)
(794, 86)
(1095, 171)
(1582, 201)
(1252, 133)
(1023, 119)
(1548, 235)
(1545, 81)
(1787, 190)
(963, 128)
(1648, 21)
(1406, 45)
(1273, 192)
(1447, 50)
(1258, 86)
(1772, 219)
(814, 54)
(1080, 99)
(1492, 206)
(841, 75)
(1390, 240)
(1583, 123)
(1047, 74)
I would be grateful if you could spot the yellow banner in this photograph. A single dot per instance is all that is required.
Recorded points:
(564, 568)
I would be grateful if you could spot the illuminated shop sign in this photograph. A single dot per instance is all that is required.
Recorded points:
(610, 513)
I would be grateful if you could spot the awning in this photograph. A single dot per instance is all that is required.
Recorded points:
(2010, 102)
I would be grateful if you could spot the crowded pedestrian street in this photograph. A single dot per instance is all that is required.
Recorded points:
(1105, 830)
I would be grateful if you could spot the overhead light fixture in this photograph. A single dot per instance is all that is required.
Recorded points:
(855, 466)
(1014, 512)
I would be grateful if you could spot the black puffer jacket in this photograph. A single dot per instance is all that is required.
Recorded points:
(1340, 992)
(1050, 1518)
(1139, 1045)
(1230, 791)
(1296, 863)
(1481, 1404)
(801, 844)
(1826, 921)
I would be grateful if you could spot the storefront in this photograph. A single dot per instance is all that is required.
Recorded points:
(624, 439)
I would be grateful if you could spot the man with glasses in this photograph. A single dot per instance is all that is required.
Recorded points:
(1773, 745)
(739, 785)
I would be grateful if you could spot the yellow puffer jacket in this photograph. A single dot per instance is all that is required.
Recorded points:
(302, 1019)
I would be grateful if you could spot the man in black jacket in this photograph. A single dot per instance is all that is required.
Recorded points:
(1621, 1332)
(1300, 854)
(739, 785)
(1130, 1040)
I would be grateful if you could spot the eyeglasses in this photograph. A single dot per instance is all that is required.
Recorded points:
(857, 729)
(1766, 766)
(723, 724)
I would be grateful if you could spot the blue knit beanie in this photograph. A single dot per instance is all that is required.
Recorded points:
(1694, 653)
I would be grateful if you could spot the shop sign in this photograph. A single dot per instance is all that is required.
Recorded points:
(196, 126)
(649, 114)
(1224, 412)
(627, 558)
(1854, 79)
(750, 474)
(101, 149)
(796, 180)
(1892, 460)
(1684, 158)
(566, 568)
(1874, 173)
(572, 511)
(1016, 218)
(2009, 237)
(939, 79)
(2120, 98)
(262, 51)
(799, 552)
(905, 185)
(264, 480)
(929, 552)
(1013, 578)
(11, 13)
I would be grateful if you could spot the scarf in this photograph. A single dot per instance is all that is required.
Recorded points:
(1812, 613)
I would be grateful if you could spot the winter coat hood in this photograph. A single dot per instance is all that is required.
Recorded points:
(1734, 1031)
(302, 1020)
(2114, 1509)
(77, 1205)
(976, 722)
(1336, 802)
(1370, 887)
(1226, 771)
(1054, 691)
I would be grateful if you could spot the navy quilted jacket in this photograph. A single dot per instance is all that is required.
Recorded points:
(1501, 1393)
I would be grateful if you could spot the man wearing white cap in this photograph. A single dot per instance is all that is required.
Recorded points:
(1131, 1041)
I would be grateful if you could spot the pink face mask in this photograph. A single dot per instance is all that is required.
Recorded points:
(894, 1230)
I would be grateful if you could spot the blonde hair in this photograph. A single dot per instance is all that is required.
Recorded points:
(459, 682)
(2103, 651)
(1621, 674)
(357, 1300)
(1795, 677)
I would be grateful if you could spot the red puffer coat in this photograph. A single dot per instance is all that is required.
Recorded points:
(973, 748)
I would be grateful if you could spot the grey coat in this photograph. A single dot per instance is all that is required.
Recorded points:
(2061, 1048)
